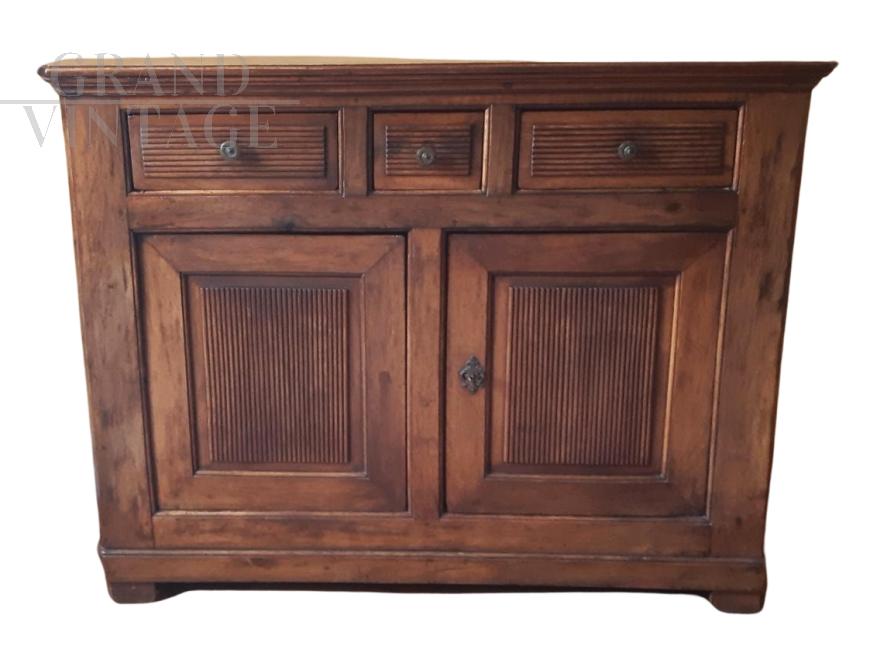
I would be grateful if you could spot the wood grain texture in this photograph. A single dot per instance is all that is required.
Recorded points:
(738, 602)
(629, 316)
(675, 148)
(452, 145)
(107, 303)
(371, 271)
(568, 342)
(355, 137)
(455, 138)
(273, 77)
(580, 375)
(274, 254)
(234, 61)
(501, 150)
(770, 172)
(277, 365)
(683, 574)
(300, 152)
(133, 593)
(425, 377)
(714, 210)
(690, 267)
(409, 102)
(683, 536)
(275, 372)
(181, 152)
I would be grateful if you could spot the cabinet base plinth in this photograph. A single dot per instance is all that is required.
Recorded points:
(129, 593)
(733, 585)
(737, 602)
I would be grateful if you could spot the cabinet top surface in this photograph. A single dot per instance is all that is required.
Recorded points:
(261, 75)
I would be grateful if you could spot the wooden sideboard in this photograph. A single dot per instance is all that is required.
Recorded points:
(434, 323)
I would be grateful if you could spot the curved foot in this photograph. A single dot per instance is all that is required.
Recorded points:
(737, 602)
(134, 592)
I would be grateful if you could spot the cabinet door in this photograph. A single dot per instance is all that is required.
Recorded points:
(597, 355)
(275, 371)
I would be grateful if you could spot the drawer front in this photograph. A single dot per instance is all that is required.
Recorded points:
(428, 152)
(263, 152)
(627, 149)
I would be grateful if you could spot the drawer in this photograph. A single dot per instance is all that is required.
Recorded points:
(260, 152)
(627, 149)
(428, 152)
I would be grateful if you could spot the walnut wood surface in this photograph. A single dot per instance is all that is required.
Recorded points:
(687, 339)
(674, 148)
(271, 77)
(107, 298)
(370, 476)
(455, 140)
(273, 369)
(171, 156)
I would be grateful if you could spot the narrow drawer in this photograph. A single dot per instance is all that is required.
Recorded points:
(282, 152)
(627, 149)
(428, 152)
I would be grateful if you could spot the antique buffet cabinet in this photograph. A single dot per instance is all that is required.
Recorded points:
(434, 323)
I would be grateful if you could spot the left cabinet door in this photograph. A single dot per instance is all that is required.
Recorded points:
(275, 371)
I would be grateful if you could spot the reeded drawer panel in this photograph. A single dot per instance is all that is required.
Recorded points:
(428, 152)
(627, 149)
(271, 152)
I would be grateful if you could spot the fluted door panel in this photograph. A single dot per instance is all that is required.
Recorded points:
(598, 356)
(276, 371)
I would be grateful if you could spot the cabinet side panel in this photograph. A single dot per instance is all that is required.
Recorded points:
(770, 169)
(108, 317)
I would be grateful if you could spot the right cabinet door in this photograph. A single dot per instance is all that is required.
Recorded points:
(582, 372)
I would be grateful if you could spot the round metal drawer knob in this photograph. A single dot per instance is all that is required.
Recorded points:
(230, 150)
(627, 151)
(425, 156)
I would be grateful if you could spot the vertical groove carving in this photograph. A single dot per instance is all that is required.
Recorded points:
(276, 374)
(580, 375)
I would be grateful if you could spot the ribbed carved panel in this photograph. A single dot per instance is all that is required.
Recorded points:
(299, 151)
(452, 145)
(580, 375)
(576, 150)
(277, 374)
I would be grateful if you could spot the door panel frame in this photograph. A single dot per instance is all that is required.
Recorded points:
(379, 263)
(697, 259)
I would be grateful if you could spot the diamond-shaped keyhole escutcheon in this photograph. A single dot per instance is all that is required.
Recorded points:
(472, 375)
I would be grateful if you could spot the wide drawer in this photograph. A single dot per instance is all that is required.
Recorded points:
(254, 152)
(627, 149)
(428, 151)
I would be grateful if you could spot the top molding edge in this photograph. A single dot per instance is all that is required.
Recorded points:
(325, 76)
